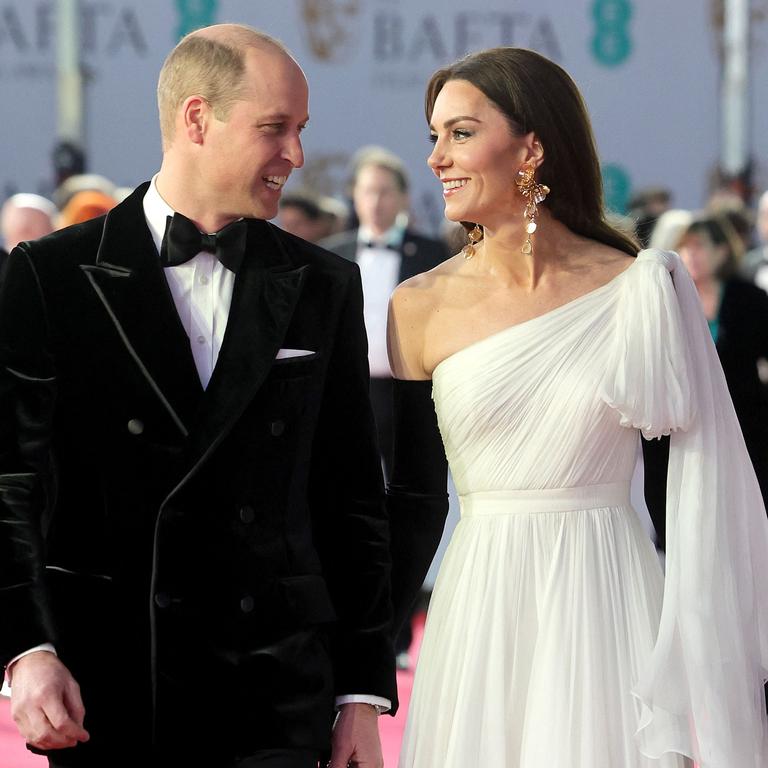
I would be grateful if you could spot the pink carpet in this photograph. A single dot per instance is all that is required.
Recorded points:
(13, 753)
(392, 728)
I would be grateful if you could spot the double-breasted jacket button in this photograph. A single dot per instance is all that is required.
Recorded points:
(246, 514)
(277, 427)
(247, 604)
(135, 426)
(162, 599)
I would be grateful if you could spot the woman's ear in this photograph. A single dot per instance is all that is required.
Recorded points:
(532, 151)
(535, 150)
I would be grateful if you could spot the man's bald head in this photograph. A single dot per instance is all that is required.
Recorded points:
(238, 36)
(26, 217)
(210, 63)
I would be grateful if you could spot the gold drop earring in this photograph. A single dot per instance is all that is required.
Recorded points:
(534, 194)
(475, 236)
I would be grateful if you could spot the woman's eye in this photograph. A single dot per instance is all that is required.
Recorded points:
(458, 134)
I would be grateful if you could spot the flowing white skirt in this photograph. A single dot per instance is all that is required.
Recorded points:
(546, 606)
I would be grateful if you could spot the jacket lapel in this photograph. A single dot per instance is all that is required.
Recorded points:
(129, 281)
(266, 291)
(408, 252)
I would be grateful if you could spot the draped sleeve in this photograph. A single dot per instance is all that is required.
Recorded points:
(648, 373)
(701, 690)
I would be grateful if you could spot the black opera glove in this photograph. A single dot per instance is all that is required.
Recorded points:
(656, 463)
(417, 495)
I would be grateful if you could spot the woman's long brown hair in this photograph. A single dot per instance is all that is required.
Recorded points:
(535, 94)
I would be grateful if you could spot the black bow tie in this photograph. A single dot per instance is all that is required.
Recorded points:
(374, 244)
(183, 240)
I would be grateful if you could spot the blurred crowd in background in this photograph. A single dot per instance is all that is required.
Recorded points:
(724, 246)
(316, 217)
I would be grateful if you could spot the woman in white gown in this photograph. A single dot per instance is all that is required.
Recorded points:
(553, 640)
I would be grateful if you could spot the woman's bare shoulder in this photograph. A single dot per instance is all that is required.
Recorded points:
(410, 309)
(420, 293)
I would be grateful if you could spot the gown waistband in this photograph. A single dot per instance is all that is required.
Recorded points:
(534, 501)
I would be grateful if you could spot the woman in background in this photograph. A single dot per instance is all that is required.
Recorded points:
(737, 315)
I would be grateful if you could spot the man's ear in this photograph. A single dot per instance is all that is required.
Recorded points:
(196, 114)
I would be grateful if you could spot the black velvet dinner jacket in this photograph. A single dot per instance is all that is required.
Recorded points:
(240, 530)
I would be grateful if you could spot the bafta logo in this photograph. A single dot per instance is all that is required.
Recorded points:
(193, 14)
(329, 27)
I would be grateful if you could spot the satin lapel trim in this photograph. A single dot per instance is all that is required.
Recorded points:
(263, 304)
(129, 282)
(90, 272)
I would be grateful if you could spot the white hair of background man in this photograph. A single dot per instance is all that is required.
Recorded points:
(670, 228)
(16, 226)
(36, 202)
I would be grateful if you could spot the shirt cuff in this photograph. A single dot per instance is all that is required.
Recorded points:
(42, 647)
(381, 704)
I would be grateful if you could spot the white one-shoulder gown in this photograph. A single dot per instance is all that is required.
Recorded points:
(552, 639)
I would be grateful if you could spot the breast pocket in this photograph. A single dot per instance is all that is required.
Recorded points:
(294, 367)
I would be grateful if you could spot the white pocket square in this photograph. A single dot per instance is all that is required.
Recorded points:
(283, 353)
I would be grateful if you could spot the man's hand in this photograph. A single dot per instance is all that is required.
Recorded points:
(45, 702)
(356, 738)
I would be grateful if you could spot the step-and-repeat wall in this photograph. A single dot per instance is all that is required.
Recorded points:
(649, 72)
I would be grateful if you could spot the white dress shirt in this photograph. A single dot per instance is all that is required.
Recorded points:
(202, 292)
(379, 271)
(201, 289)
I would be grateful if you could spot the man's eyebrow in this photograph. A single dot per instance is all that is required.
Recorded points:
(453, 120)
(280, 117)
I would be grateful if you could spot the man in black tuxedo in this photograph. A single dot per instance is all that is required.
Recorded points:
(387, 252)
(194, 559)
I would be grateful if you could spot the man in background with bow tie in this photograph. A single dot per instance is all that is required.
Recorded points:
(194, 556)
(387, 251)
